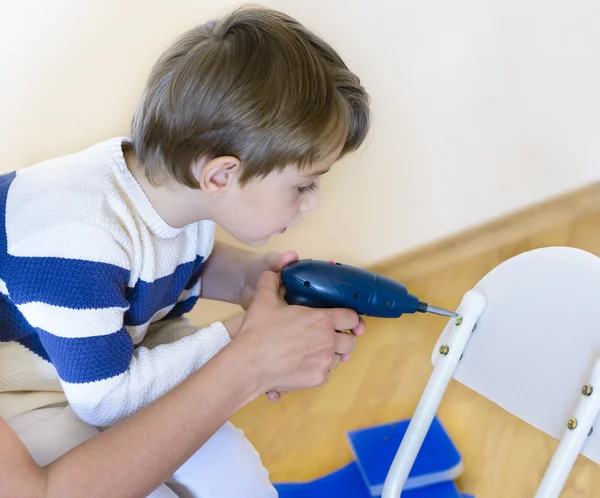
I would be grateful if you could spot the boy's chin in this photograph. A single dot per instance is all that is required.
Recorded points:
(254, 242)
(258, 243)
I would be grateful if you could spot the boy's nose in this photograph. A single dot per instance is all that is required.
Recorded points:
(310, 203)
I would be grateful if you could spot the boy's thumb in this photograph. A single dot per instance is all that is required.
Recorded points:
(286, 258)
(268, 284)
(276, 261)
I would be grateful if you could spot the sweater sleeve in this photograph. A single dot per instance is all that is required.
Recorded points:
(77, 308)
(168, 331)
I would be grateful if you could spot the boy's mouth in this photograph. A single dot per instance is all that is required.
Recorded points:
(283, 230)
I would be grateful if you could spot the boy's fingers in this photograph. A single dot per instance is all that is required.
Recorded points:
(345, 344)
(282, 292)
(275, 261)
(281, 260)
(273, 396)
(270, 262)
(344, 319)
(335, 362)
(327, 377)
(360, 328)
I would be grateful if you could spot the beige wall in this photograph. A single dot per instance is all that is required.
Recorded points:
(480, 106)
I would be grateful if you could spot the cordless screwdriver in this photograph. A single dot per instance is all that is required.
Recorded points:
(329, 284)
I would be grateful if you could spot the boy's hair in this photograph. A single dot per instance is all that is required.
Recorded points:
(256, 85)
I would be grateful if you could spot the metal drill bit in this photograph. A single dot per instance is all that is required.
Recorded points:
(426, 308)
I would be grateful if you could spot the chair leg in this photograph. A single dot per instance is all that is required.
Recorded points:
(469, 312)
(578, 428)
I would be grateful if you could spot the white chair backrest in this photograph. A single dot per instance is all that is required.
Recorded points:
(538, 338)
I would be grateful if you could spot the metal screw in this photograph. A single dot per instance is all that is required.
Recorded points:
(591, 431)
(458, 320)
(587, 390)
(444, 349)
(572, 423)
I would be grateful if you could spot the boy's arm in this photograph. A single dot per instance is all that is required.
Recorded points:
(295, 348)
(143, 451)
(231, 274)
(223, 273)
(78, 309)
(175, 329)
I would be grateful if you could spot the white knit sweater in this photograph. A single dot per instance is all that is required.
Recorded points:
(93, 288)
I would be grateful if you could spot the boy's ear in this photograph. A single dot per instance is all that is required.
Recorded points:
(215, 175)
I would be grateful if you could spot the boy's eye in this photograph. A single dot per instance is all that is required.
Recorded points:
(309, 188)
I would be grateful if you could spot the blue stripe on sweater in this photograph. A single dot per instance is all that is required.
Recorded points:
(147, 298)
(70, 283)
(58, 281)
(33, 343)
(14, 327)
(80, 284)
(182, 307)
(87, 359)
(196, 273)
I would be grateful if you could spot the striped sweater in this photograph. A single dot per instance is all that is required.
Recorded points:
(94, 286)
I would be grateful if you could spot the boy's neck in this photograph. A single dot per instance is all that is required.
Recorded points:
(176, 204)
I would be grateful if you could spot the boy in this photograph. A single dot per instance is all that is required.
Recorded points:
(105, 249)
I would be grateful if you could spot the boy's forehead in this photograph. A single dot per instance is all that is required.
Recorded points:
(315, 170)
(320, 167)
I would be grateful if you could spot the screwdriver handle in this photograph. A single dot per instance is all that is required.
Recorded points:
(329, 284)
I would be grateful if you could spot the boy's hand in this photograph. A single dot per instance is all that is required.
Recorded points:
(270, 261)
(275, 396)
(233, 324)
(231, 274)
(293, 347)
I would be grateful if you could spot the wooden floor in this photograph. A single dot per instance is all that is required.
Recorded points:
(303, 436)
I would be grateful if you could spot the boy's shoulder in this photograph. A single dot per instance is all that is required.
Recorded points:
(77, 192)
(88, 205)
(83, 173)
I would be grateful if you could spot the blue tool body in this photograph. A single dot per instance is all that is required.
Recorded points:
(329, 284)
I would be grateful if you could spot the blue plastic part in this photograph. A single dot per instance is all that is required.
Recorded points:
(345, 482)
(348, 483)
(374, 449)
(441, 490)
(328, 284)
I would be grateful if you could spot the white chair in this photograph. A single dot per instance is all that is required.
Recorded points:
(528, 339)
